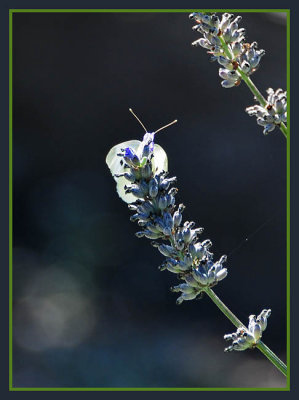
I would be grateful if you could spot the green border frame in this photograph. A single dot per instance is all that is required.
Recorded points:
(11, 12)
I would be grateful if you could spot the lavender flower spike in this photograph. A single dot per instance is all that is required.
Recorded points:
(274, 112)
(159, 218)
(248, 338)
(225, 43)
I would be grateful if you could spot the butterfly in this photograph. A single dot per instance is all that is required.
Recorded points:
(117, 165)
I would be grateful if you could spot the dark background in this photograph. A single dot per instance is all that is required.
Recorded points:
(91, 307)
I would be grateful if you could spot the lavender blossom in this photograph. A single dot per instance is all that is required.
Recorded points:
(274, 112)
(160, 219)
(223, 37)
(248, 338)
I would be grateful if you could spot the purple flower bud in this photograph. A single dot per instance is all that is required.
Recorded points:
(227, 84)
(148, 140)
(200, 276)
(153, 187)
(221, 274)
(186, 296)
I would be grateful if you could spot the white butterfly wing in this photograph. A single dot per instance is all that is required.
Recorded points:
(160, 161)
(127, 197)
(116, 167)
(114, 161)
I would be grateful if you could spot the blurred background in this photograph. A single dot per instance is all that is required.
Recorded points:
(91, 308)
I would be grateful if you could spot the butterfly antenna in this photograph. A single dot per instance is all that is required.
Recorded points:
(130, 109)
(165, 126)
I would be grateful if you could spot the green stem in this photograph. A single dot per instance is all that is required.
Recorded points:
(284, 129)
(254, 90)
(235, 321)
